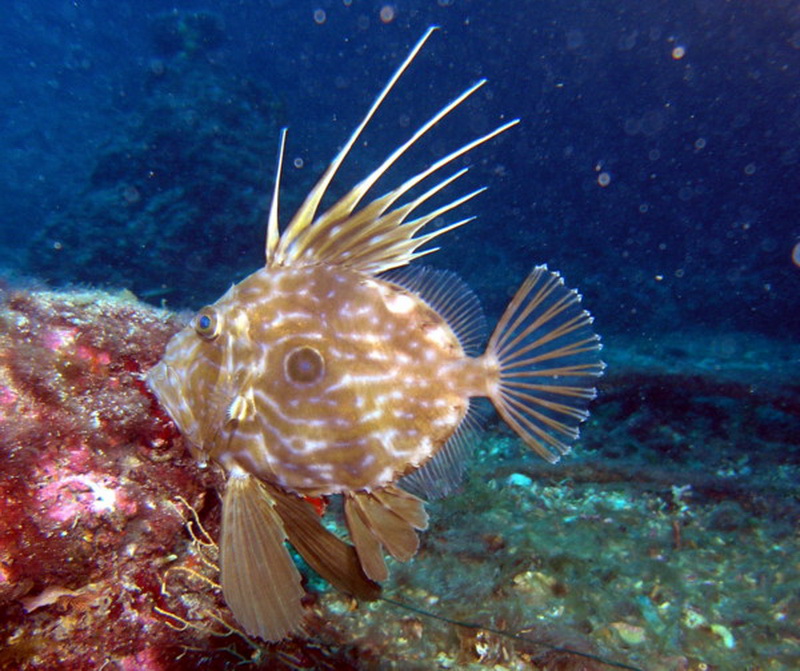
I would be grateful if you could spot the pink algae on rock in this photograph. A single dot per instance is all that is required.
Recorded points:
(90, 468)
(107, 525)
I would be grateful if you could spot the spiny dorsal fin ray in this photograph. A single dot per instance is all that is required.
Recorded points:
(308, 210)
(303, 236)
(545, 324)
(367, 223)
(345, 206)
(273, 232)
(339, 235)
(326, 230)
(393, 244)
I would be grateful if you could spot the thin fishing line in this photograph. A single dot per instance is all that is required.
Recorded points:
(507, 634)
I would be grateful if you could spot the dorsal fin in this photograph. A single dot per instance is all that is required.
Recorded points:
(380, 235)
(450, 296)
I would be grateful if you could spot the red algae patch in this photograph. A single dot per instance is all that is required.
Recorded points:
(89, 468)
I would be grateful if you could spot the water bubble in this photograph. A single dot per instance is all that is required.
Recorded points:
(700, 143)
(388, 13)
(157, 66)
(769, 245)
(632, 126)
(627, 41)
(298, 162)
(796, 254)
(319, 16)
(652, 122)
(604, 179)
(750, 169)
(678, 52)
(131, 195)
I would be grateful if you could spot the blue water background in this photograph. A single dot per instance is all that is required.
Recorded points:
(690, 109)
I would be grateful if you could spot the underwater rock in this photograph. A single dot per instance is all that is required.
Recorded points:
(88, 469)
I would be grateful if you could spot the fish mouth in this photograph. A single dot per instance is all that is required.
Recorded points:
(165, 384)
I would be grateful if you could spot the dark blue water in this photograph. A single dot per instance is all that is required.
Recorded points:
(138, 143)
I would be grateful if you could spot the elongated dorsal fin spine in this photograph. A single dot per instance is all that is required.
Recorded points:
(377, 236)
(273, 231)
(308, 210)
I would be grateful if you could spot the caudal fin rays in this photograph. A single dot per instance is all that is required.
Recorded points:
(548, 360)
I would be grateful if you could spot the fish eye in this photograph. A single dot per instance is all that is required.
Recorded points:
(303, 365)
(207, 324)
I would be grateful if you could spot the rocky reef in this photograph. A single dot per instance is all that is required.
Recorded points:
(102, 544)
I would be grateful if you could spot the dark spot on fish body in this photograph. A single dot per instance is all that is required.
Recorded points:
(304, 365)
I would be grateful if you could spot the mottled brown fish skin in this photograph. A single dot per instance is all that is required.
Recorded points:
(345, 381)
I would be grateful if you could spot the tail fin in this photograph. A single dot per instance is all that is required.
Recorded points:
(548, 359)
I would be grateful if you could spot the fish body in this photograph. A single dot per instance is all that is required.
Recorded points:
(328, 371)
(325, 380)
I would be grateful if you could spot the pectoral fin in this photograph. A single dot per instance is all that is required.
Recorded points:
(259, 579)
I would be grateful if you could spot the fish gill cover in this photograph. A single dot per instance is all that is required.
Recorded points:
(654, 165)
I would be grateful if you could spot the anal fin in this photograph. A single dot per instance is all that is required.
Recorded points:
(260, 582)
(386, 518)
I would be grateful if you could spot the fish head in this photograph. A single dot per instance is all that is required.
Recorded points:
(210, 359)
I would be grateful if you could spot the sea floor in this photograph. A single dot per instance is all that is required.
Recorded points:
(668, 540)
